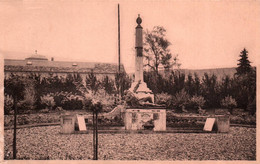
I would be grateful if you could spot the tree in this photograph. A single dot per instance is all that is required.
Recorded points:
(245, 82)
(92, 83)
(197, 85)
(244, 66)
(229, 103)
(179, 81)
(108, 85)
(189, 85)
(226, 86)
(156, 48)
(210, 90)
(122, 82)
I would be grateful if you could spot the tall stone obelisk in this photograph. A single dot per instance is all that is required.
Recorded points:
(139, 87)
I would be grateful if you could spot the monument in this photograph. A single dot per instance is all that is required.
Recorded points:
(139, 87)
(145, 115)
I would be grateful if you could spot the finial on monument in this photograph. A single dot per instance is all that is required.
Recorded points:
(139, 20)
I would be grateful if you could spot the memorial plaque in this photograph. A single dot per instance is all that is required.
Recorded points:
(209, 124)
(82, 124)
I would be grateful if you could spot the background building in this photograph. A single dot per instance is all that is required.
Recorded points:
(39, 64)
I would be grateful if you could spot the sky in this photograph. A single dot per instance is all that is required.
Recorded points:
(204, 33)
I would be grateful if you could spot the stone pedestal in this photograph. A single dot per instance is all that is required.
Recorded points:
(67, 124)
(145, 119)
(223, 123)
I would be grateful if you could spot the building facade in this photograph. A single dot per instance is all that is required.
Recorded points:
(40, 65)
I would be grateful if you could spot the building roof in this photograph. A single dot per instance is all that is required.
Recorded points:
(40, 65)
(36, 57)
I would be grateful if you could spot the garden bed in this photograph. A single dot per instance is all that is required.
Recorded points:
(173, 119)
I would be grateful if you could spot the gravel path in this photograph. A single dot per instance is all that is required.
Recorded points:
(48, 143)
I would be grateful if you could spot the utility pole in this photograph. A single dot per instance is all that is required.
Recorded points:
(15, 115)
(119, 39)
(94, 136)
(119, 60)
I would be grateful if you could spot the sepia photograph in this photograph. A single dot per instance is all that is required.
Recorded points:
(136, 81)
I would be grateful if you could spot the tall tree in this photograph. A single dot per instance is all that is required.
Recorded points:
(244, 66)
(122, 82)
(156, 48)
(92, 83)
(210, 90)
(108, 85)
(245, 92)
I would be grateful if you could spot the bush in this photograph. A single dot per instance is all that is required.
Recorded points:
(47, 101)
(108, 101)
(196, 102)
(162, 98)
(8, 106)
(179, 101)
(72, 102)
(229, 103)
(252, 107)
(28, 103)
(58, 98)
(23, 120)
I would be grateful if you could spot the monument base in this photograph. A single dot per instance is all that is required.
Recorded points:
(140, 90)
(145, 119)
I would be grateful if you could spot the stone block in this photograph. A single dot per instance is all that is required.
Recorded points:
(223, 123)
(67, 124)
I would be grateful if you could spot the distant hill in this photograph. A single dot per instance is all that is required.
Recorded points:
(219, 72)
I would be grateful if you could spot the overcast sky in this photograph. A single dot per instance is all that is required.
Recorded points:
(205, 34)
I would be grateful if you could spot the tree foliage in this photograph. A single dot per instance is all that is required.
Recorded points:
(156, 48)
(244, 66)
(108, 85)
(122, 82)
(92, 83)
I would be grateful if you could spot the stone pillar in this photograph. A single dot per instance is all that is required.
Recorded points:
(139, 51)
(139, 87)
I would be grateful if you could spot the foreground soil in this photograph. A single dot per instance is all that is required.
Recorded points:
(47, 143)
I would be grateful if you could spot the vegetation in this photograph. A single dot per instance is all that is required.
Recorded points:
(229, 103)
(36, 92)
(176, 90)
(244, 66)
(157, 51)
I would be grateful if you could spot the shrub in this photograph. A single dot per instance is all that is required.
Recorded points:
(58, 98)
(196, 102)
(47, 101)
(46, 110)
(28, 103)
(8, 106)
(23, 120)
(162, 98)
(179, 101)
(108, 101)
(252, 107)
(229, 103)
(72, 102)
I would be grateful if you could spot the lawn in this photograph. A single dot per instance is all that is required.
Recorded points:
(48, 143)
